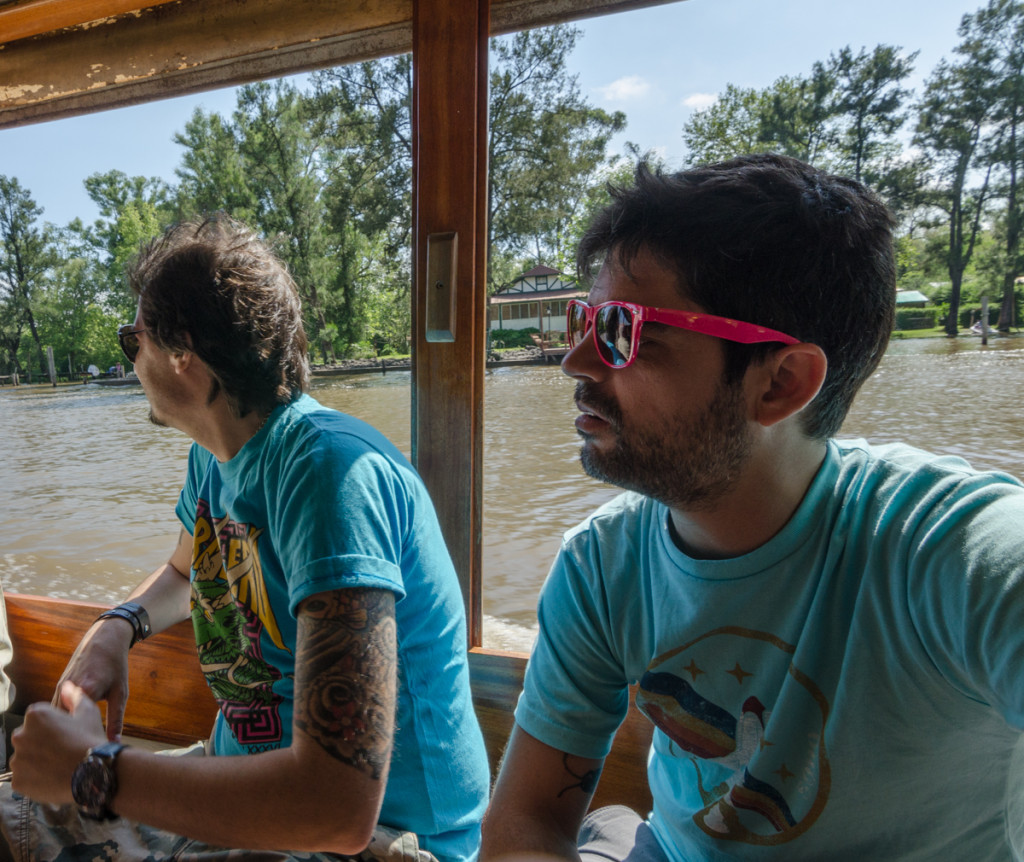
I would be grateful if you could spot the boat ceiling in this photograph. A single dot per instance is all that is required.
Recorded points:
(59, 58)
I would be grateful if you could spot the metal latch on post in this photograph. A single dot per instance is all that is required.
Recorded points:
(442, 249)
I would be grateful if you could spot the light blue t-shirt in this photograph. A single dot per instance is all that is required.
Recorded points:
(851, 690)
(318, 501)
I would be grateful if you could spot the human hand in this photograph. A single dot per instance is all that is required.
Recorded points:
(99, 667)
(51, 742)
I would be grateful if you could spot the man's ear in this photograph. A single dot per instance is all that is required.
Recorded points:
(181, 362)
(789, 379)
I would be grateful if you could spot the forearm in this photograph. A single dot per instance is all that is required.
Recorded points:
(539, 801)
(524, 835)
(324, 792)
(99, 664)
(278, 800)
(165, 595)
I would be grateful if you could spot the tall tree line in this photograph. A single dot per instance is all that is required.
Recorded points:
(948, 161)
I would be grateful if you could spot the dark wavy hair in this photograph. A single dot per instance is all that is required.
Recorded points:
(214, 288)
(769, 240)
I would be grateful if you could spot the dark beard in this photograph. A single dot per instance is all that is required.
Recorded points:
(158, 422)
(689, 465)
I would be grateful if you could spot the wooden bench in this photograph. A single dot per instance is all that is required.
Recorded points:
(169, 701)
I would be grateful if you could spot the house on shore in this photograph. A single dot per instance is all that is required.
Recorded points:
(536, 298)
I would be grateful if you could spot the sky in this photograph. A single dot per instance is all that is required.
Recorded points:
(658, 65)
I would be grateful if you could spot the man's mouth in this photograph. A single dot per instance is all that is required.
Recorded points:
(593, 419)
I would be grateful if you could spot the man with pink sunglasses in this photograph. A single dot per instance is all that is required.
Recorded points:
(827, 635)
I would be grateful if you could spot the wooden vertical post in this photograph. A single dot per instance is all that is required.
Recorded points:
(449, 306)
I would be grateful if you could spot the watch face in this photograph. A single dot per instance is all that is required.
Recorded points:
(93, 782)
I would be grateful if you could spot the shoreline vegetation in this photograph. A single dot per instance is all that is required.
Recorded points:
(511, 357)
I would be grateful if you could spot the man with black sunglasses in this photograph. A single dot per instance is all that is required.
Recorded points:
(826, 635)
(328, 616)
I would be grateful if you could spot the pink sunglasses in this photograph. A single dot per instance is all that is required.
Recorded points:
(616, 327)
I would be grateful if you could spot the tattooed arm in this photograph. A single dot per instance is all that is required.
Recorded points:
(322, 793)
(539, 801)
(346, 678)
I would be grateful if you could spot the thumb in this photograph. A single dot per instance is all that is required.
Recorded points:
(75, 700)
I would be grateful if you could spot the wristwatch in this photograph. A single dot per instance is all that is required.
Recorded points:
(94, 781)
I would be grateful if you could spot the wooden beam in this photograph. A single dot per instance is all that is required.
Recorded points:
(450, 200)
(175, 48)
(23, 18)
(189, 46)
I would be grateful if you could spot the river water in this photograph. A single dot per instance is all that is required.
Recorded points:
(88, 485)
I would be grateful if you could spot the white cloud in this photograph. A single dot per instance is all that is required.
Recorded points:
(700, 101)
(632, 87)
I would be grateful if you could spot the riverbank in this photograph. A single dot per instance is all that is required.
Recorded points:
(496, 359)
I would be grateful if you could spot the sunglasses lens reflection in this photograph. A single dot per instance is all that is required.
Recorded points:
(577, 325)
(129, 342)
(615, 334)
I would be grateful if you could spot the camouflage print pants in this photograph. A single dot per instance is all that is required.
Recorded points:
(46, 833)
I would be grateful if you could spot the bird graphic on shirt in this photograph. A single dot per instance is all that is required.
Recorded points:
(715, 735)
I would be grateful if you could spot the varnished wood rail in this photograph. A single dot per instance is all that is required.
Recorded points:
(169, 700)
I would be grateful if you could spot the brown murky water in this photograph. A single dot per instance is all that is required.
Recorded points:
(88, 485)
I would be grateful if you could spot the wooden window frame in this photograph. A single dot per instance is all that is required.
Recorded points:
(61, 58)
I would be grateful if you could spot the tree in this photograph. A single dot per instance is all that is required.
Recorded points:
(546, 145)
(729, 127)
(329, 173)
(281, 154)
(869, 106)
(365, 114)
(212, 175)
(25, 256)
(546, 142)
(994, 42)
(133, 210)
(797, 118)
(790, 116)
(618, 173)
(953, 115)
(840, 117)
(72, 310)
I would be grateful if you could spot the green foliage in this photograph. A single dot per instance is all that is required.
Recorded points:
(510, 338)
(546, 145)
(25, 257)
(970, 313)
(917, 318)
(133, 210)
(731, 126)
(842, 117)
(324, 171)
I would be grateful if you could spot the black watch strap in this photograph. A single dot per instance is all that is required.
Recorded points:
(135, 614)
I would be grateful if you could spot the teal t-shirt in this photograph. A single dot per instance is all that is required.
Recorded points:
(318, 501)
(851, 690)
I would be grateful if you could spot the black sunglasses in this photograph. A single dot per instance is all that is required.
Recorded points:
(128, 338)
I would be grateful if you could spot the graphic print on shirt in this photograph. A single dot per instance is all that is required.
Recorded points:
(230, 612)
(717, 701)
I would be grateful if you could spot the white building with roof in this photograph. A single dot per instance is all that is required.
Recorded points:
(536, 298)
